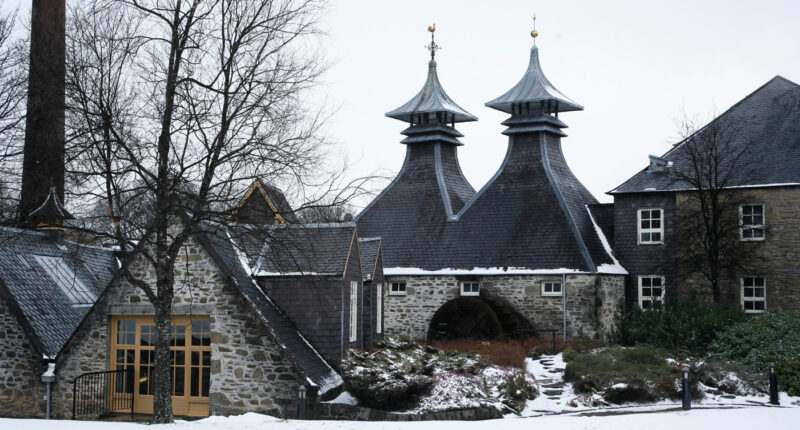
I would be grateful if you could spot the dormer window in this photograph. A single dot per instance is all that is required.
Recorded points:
(751, 221)
(651, 226)
(470, 288)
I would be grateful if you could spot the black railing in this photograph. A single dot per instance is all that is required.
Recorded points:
(101, 393)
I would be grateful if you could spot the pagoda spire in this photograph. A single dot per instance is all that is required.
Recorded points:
(534, 96)
(432, 109)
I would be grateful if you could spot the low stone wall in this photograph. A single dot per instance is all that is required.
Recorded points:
(343, 412)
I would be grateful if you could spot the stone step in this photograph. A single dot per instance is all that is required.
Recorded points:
(553, 385)
(552, 392)
(556, 371)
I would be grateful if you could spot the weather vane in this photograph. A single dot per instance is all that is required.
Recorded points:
(433, 47)
(534, 33)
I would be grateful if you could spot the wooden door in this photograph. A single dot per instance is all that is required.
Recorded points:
(132, 346)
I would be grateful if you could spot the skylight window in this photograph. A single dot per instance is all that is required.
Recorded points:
(65, 278)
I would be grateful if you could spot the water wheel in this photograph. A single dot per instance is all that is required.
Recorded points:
(465, 318)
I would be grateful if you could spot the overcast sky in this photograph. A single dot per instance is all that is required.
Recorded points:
(633, 65)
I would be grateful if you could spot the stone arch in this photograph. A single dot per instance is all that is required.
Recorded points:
(481, 317)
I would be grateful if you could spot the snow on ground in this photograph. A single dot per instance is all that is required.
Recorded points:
(773, 418)
(558, 397)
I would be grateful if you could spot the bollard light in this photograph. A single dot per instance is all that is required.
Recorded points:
(773, 385)
(687, 396)
(301, 392)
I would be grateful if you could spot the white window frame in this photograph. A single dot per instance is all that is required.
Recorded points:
(750, 227)
(469, 291)
(640, 230)
(754, 298)
(552, 292)
(353, 311)
(399, 291)
(379, 309)
(649, 299)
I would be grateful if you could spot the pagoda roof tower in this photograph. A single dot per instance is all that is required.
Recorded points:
(411, 213)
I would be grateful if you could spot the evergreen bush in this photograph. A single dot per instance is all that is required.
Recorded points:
(772, 337)
(679, 326)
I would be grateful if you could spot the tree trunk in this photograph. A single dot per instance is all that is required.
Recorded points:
(162, 386)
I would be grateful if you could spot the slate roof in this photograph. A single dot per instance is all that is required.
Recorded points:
(534, 88)
(431, 99)
(765, 125)
(532, 216)
(38, 298)
(369, 248)
(297, 249)
(223, 248)
(603, 214)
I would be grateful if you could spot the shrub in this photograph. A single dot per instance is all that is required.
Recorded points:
(499, 352)
(680, 326)
(625, 374)
(772, 337)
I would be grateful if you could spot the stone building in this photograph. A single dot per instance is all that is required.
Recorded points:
(523, 254)
(763, 132)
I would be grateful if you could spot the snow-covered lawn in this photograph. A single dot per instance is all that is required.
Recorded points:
(772, 418)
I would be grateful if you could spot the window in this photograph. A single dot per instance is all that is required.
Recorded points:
(754, 294)
(751, 222)
(379, 309)
(353, 311)
(63, 276)
(398, 289)
(551, 288)
(470, 288)
(651, 227)
(651, 291)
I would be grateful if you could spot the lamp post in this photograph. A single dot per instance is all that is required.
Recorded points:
(301, 403)
(773, 385)
(687, 396)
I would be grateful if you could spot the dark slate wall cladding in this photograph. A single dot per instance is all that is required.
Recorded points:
(644, 259)
(315, 306)
(458, 189)
(517, 220)
(255, 210)
(410, 215)
(577, 197)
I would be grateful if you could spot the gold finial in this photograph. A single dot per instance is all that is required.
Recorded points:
(534, 33)
(433, 47)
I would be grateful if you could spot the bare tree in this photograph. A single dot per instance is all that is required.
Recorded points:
(13, 89)
(711, 162)
(182, 104)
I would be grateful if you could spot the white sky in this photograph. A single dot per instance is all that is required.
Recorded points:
(633, 65)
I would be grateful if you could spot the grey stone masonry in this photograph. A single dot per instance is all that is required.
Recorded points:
(777, 255)
(249, 369)
(591, 301)
(21, 391)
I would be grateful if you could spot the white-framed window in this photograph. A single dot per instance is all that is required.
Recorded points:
(470, 288)
(751, 221)
(754, 294)
(353, 311)
(379, 308)
(552, 288)
(651, 291)
(397, 289)
(651, 226)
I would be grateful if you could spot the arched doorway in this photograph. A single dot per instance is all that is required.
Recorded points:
(483, 317)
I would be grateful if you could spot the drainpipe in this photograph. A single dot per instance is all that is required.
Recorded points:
(564, 297)
(49, 377)
(341, 321)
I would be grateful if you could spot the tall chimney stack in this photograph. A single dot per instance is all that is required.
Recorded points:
(43, 160)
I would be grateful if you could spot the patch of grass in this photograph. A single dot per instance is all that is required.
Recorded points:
(509, 352)
(625, 374)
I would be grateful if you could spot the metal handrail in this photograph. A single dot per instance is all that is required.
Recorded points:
(99, 392)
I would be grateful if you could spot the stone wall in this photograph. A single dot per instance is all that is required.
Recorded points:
(777, 257)
(344, 412)
(249, 370)
(590, 301)
(21, 389)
